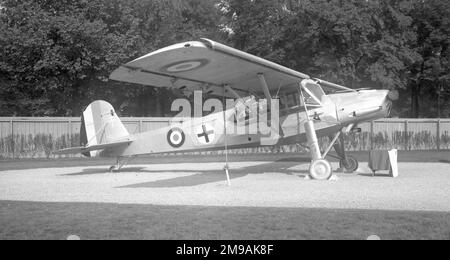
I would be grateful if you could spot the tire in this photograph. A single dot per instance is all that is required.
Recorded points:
(350, 166)
(113, 169)
(320, 170)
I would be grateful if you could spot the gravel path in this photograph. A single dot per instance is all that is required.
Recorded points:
(421, 186)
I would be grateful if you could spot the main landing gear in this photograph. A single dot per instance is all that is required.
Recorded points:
(320, 168)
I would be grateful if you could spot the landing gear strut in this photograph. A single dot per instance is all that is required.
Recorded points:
(320, 168)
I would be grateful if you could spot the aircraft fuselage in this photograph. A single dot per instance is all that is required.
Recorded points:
(212, 132)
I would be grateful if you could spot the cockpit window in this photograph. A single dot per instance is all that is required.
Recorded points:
(316, 90)
(310, 100)
(292, 100)
(313, 94)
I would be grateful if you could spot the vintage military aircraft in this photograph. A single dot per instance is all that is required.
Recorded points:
(309, 108)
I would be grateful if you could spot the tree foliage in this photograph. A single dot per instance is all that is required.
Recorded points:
(56, 55)
(431, 74)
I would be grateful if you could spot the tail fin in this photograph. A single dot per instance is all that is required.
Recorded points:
(100, 125)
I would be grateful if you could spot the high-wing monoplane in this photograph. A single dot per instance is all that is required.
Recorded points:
(305, 108)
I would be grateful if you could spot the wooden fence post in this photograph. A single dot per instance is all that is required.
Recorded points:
(438, 137)
(11, 123)
(70, 131)
(371, 134)
(406, 135)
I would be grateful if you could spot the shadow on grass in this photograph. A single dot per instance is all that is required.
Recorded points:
(94, 171)
(200, 177)
(377, 175)
(295, 159)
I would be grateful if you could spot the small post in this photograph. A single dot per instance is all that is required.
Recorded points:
(140, 125)
(226, 168)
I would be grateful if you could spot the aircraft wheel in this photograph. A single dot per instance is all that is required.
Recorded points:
(113, 169)
(320, 170)
(350, 166)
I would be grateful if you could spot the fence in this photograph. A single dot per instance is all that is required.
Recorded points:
(38, 137)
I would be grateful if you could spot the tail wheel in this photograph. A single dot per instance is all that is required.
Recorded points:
(320, 170)
(350, 164)
(113, 169)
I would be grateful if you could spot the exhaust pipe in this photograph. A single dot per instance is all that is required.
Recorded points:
(366, 112)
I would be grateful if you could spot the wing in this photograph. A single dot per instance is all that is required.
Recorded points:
(77, 150)
(207, 66)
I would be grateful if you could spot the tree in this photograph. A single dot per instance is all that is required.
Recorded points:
(256, 26)
(56, 55)
(361, 44)
(50, 55)
(431, 74)
(356, 43)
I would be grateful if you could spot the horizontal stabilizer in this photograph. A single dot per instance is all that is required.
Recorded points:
(76, 150)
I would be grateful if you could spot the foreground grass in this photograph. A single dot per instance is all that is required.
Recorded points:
(30, 220)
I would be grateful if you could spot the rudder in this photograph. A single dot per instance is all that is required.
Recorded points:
(101, 125)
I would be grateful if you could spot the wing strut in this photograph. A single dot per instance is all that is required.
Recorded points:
(232, 91)
(335, 86)
(265, 88)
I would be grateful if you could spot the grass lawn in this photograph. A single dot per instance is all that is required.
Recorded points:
(34, 220)
(30, 220)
